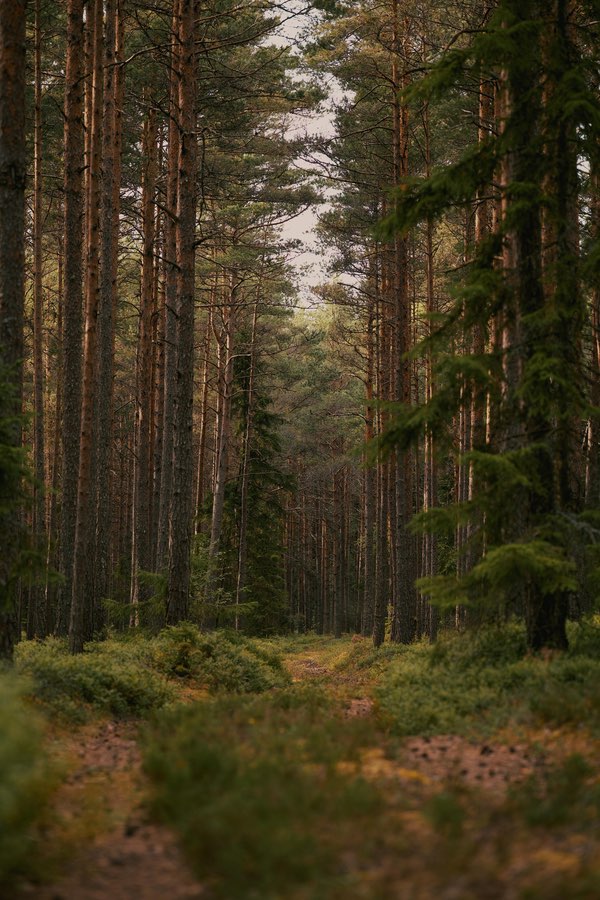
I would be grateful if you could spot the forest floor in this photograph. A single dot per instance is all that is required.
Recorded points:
(99, 837)
(367, 813)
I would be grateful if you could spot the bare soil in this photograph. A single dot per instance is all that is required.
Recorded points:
(109, 849)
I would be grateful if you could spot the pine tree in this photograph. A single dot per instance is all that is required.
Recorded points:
(526, 489)
(13, 168)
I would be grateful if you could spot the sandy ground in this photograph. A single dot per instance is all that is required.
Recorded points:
(122, 856)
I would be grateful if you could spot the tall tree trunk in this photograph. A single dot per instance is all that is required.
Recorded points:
(244, 474)
(201, 470)
(109, 238)
(404, 595)
(370, 497)
(52, 558)
(183, 456)
(81, 625)
(142, 551)
(73, 300)
(170, 318)
(381, 516)
(36, 614)
(224, 432)
(592, 476)
(12, 264)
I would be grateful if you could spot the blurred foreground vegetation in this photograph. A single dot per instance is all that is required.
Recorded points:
(277, 791)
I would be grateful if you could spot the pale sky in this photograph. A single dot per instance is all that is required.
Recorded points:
(311, 263)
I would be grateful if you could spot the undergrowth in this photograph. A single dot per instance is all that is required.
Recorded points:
(221, 660)
(254, 787)
(481, 682)
(26, 779)
(135, 675)
(104, 678)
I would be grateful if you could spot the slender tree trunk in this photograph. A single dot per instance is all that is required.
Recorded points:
(381, 558)
(52, 558)
(81, 626)
(224, 433)
(109, 238)
(404, 595)
(592, 477)
(36, 614)
(158, 380)
(244, 474)
(183, 457)
(201, 473)
(73, 300)
(170, 314)
(142, 551)
(12, 264)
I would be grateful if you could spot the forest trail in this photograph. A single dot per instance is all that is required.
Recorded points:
(100, 831)
(428, 760)
(442, 825)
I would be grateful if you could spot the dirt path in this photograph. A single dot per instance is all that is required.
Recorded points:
(430, 761)
(103, 846)
(99, 810)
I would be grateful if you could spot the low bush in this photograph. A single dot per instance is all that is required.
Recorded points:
(479, 682)
(223, 661)
(254, 786)
(132, 675)
(567, 794)
(110, 677)
(26, 780)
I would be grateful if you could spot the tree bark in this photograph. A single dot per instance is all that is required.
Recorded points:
(183, 457)
(109, 239)
(170, 317)
(142, 551)
(12, 264)
(36, 614)
(81, 625)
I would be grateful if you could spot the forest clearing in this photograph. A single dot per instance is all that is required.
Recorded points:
(299, 449)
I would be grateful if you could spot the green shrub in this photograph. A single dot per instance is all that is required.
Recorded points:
(110, 677)
(481, 681)
(223, 661)
(362, 656)
(416, 697)
(253, 786)
(446, 813)
(491, 646)
(25, 778)
(563, 795)
(584, 637)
